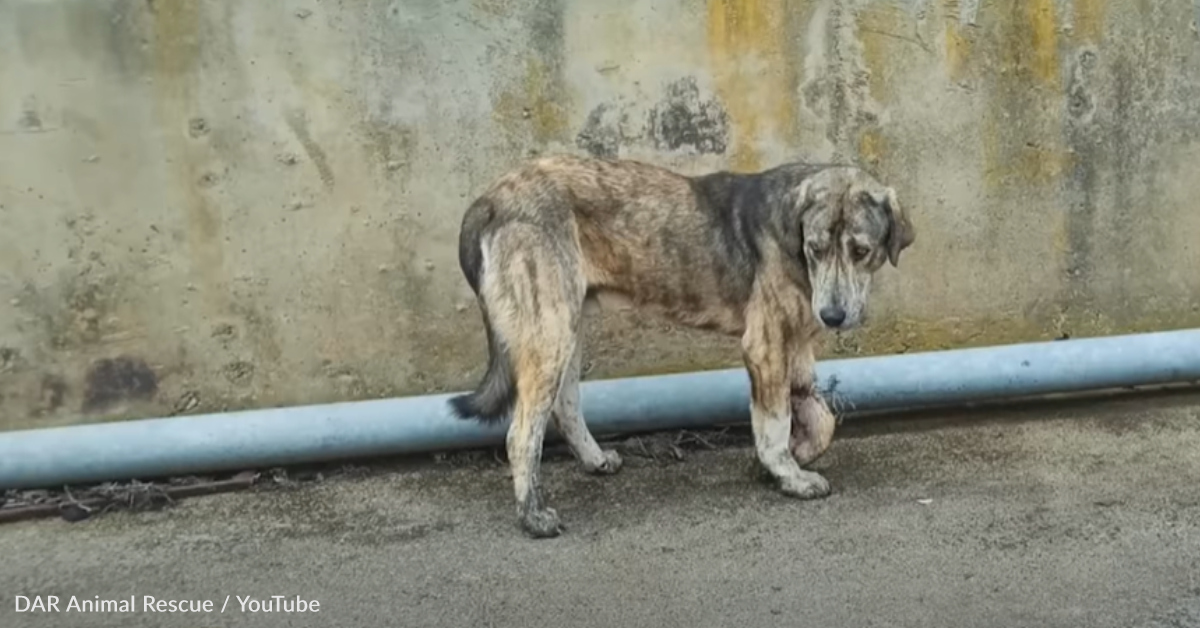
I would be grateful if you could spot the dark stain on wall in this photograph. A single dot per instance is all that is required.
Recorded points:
(113, 380)
(53, 392)
(30, 121)
(8, 358)
(297, 121)
(198, 128)
(601, 135)
(684, 119)
(1082, 182)
(240, 372)
(74, 313)
(545, 22)
(545, 80)
(1127, 143)
(837, 85)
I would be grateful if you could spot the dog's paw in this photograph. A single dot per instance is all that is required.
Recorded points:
(542, 524)
(805, 485)
(612, 463)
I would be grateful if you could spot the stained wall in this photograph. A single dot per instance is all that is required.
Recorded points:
(219, 204)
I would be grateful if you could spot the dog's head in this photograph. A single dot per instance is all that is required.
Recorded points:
(850, 225)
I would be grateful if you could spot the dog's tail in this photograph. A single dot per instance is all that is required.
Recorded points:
(497, 393)
(495, 396)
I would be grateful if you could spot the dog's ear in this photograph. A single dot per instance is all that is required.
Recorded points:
(802, 201)
(900, 231)
(802, 196)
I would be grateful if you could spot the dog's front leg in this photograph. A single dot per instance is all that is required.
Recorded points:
(813, 422)
(763, 349)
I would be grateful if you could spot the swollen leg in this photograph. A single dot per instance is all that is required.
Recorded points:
(813, 423)
(771, 416)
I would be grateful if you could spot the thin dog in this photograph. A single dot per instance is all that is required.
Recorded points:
(773, 257)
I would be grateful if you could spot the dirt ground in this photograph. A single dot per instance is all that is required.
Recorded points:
(1081, 515)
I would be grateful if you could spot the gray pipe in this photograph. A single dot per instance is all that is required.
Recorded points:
(284, 436)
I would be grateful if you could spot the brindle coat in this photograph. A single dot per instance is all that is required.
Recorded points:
(752, 255)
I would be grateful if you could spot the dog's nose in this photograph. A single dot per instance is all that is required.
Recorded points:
(832, 316)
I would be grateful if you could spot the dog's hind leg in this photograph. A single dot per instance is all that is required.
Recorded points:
(537, 382)
(568, 420)
(535, 299)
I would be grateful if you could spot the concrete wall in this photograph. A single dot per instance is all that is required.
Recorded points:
(226, 204)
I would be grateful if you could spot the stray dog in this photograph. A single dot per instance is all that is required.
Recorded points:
(773, 257)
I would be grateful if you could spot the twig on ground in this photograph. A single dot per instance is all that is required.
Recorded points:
(106, 497)
(685, 437)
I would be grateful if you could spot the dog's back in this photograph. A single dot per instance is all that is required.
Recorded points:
(551, 192)
(637, 228)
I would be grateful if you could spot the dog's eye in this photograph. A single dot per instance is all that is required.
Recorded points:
(860, 253)
(816, 251)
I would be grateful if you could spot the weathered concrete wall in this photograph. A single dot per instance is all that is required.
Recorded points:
(225, 204)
